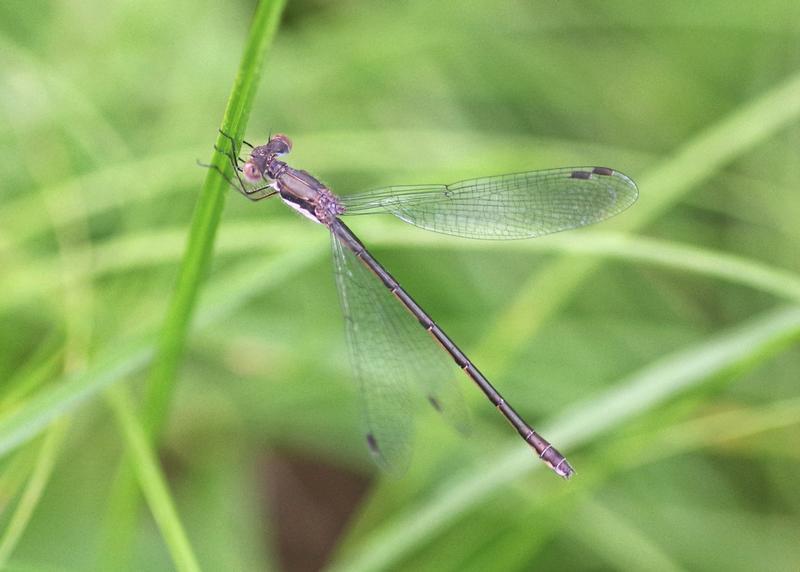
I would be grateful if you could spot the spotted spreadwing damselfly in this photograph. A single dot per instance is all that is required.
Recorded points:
(386, 329)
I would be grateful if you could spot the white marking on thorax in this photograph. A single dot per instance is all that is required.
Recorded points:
(301, 210)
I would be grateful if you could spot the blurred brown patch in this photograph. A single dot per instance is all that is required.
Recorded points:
(310, 504)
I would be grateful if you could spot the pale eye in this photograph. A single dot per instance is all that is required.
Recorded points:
(251, 172)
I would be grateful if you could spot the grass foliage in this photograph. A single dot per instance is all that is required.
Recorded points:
(154, 350)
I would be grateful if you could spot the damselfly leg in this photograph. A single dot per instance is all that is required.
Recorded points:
(254, 193)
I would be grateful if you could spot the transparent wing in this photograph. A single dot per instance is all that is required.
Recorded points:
(518, 205)
(396, 363)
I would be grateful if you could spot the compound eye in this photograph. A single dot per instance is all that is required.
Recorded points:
(251, 172)
(280, 144)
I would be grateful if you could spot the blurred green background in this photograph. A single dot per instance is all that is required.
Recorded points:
(658, 350)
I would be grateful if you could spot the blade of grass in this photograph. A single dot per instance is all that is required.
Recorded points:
(220, 300)
(630, 248)
(196, 260)
(86, 123)
(143, 179)
(539, 517)
(68, 393)
(661, 188)
(150, 177)
(719, 428)
(151, 481)
(14, 475)
(731, 351)
(226, 296)
(34, 490)
(160, 246)
(631, 549)
(631, 451)
(30, 376)
(554, 284)
(64, 396)
(205, 220)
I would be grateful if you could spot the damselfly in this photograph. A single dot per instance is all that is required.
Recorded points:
(388, 350)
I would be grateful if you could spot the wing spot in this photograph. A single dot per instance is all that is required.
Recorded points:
(373, 444)
(605, 171)
(580, 175)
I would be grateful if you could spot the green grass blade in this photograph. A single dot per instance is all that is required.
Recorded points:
(653, 386)
(152, 482)
(205, 220)
(16, 472)
(34, 490)
(629, 248)
(154, 247)
(68, 393)
(619, 543)
(719, 428)
(196, 260)
(661, 188)
(56, 400)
